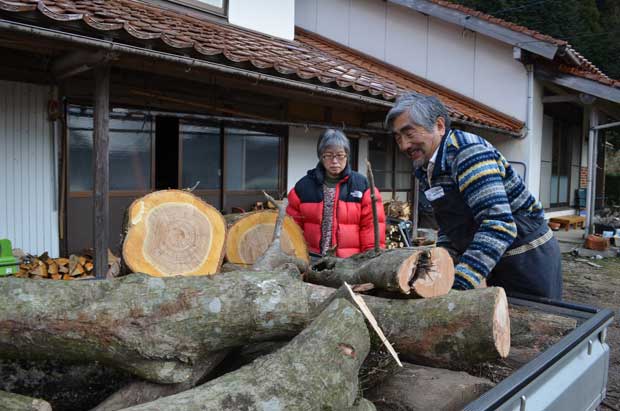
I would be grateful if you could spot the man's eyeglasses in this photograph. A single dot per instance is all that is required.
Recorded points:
(330, 157)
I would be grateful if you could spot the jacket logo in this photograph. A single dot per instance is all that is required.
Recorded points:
(356, 194)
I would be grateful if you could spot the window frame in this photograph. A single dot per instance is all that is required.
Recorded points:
(198, 5)
(393, 169)
(112, 192)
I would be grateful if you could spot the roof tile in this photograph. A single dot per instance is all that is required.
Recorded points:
(309, 57)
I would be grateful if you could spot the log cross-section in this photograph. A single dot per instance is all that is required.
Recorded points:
(173, 232)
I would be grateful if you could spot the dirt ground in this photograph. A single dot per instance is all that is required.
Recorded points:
(599, 287)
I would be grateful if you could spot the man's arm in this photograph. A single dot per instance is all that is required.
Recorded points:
(479, 176)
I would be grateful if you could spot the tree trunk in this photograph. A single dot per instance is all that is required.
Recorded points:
(317, 370)
(424, 272)
(535, 329)
(451, 331)
(155, 328)
(16, 402)
(250, 234)
(138, 392)
(418, 388)
(160, 328)
(173, 232)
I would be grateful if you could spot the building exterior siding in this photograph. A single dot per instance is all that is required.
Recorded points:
(28, 189)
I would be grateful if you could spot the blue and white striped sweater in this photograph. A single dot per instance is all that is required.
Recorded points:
(493, 192)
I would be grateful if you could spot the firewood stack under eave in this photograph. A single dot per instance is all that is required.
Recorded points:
(169, 333)
(76, 267)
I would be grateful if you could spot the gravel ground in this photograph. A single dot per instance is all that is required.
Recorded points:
(599, 287)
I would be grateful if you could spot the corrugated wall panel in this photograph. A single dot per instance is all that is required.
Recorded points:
(28, 211)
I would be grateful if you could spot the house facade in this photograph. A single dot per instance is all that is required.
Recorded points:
(228, 98)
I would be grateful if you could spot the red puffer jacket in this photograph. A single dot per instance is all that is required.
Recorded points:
(353, 229)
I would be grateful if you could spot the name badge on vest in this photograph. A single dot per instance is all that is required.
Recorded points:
(434, 193)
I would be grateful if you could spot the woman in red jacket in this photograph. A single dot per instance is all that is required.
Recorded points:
(332, 203)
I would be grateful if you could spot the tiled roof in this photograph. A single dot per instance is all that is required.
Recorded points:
(460, 107)
(309, 57)
(586, 68)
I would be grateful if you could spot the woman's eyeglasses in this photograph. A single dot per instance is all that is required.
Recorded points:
(330, 157)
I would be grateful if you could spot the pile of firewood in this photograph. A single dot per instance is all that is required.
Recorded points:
(397, 209)
(280, 333)
(76, 267)
(44, 267)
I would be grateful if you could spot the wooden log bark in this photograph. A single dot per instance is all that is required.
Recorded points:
(535, 329)
(160, 328)
(425, 272)
(451, 331)
(173, 232)
(274, 258)
(16, 402)
(139, 391)
(155, 328)
(250, 234)
(317, 370)
(419, 388)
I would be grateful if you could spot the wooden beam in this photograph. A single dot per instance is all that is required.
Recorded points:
(565, 98)
(77, 62)
(101, 169)
(580, 84)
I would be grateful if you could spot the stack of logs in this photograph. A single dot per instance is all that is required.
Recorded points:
(76, 267)
(271, 333)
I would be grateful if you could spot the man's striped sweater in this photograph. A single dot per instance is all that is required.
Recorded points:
(494, 193)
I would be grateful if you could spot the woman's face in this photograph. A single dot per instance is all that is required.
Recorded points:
(334, 159)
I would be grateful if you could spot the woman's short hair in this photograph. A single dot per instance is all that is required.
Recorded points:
(423, 110)
(332, 138)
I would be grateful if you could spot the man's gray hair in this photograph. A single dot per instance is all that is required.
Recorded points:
(332, 138)
(423, 110)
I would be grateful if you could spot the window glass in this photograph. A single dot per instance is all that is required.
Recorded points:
(201, 156)
(404, 170)
(380, 154)
(130, 150)
(252, 160)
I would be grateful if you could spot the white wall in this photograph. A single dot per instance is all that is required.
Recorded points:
(301, 153)
(28, 189)
(272, 17)
(527, 150)
(469, 63)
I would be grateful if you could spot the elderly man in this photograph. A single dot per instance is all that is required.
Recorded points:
(488, 220)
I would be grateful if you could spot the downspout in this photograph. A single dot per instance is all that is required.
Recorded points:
(591, 195)
(529, 110)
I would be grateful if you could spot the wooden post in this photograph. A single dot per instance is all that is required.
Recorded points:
(101, 169)
(375, 219)
(415, 215)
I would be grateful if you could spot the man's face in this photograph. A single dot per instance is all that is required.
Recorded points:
(415, 141)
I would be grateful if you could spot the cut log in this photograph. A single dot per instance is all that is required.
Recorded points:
(250, 234)
(16, 402)
(155, 328)
(173, 232)
(139, 392)
(418, 388)
(160, 328)
(535, 329)
(274, 258)
(451, 331)
(424, 272)
(317, 370)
